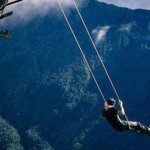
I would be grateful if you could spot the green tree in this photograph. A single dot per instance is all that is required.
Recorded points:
(9, 137)
(35, 142)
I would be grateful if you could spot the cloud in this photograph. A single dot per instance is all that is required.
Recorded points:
(133, 4)
(28, 9)
(127, 27)
(100, 33)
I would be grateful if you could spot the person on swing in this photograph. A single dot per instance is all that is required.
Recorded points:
(112, 115)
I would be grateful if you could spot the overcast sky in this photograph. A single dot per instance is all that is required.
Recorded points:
(28, 9)
(133, 4)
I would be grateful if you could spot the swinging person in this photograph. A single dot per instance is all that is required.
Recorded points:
(112, 115)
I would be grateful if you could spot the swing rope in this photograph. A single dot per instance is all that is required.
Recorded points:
(100, 59)
(62, 10)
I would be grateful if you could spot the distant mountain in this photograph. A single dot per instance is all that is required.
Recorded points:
(47, 95)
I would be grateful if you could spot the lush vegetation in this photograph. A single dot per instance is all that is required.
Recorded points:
(9, 137)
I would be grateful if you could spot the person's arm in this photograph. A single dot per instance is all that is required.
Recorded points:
(121, 111)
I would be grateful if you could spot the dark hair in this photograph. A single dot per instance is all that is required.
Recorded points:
(111, 101)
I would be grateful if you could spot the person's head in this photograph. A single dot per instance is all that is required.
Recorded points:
(111, 102)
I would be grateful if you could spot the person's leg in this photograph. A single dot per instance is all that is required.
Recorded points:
(137, 127)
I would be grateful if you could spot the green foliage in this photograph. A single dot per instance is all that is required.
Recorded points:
(35, 142)
(9, 138)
